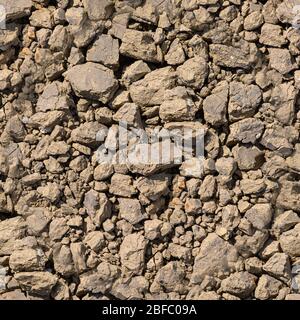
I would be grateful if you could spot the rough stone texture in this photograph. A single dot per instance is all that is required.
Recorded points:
(149, 149)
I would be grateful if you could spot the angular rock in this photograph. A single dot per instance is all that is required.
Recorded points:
(92, 81)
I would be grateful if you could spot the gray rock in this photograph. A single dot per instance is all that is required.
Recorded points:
(93, 81)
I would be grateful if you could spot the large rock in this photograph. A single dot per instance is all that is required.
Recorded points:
(151, 89)
(290, 241)
(141, 45)
(11, 230)
(92, 81)
(132, 253)
(16, 9)
(216, 257)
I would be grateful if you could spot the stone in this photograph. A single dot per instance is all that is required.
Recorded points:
(141, 45)
(105, 50)
(248, 157)
(38, 282)
(260, 215)
(92, 81)
(216, 256)
(241, 284)
(150, 90)
(16, 10)
(289, 241)
(281, 60)
(193, 72)
(243, 100)
(132, 253)
(131, 210)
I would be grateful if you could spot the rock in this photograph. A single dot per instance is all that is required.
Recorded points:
(228, 56)
(135, 72)
(169, 278)
(288, 197)
(192, 167)
(289, 241)
(63, 261)
(100, 281)
(284, 98)
(271, 35)
(279, 267)
(95, 240)
(243, 100)
(129, 113)
(260, 215)
(193, 72)
(105, 50)
(38, 282)
(253, 21)
(177, 110)
(286, 221)
(267, 287)
(248, 158)
(175, 54)
(131, 210)
(246, 130)
(27, 260)
(153, 187)
(241, 284)
(16, 10)
(132, 253)
(226, 166)
(215, 107)
(141, 45)
(121, 185)
(98, 10)
(151, 89)
(54, 97)
(216, 256)
(89, 133)
(11, 230)
(280, 60)
(92, 81)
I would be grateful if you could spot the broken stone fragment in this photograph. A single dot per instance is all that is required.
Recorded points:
(215, 106)
(246, 130)
(248, 157)
(271, 35)
(232, 57)
(170, 278)
(122, 185)
(131, 210)
(54, 97)
(175, 54)
(243, 100)
(279, 267)
(260, 215)
(267, 287)
(132, 253)
(92, 81)
(89, 133)
(241, 284)
(16, 10)
(135, 72)
(105, 50)
(98, 10)
(11, 230)
(153, 187)
(281, 60)
(288, 197)
(40, 283)
(216, 256)
(141, 45)
(100, 280)
(177, 110)
(27, 260)
(63, 261)
(193, 72)
(129, 113)
(290, 241)
(151, 89)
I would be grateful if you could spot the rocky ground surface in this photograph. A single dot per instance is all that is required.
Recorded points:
(75, 227)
